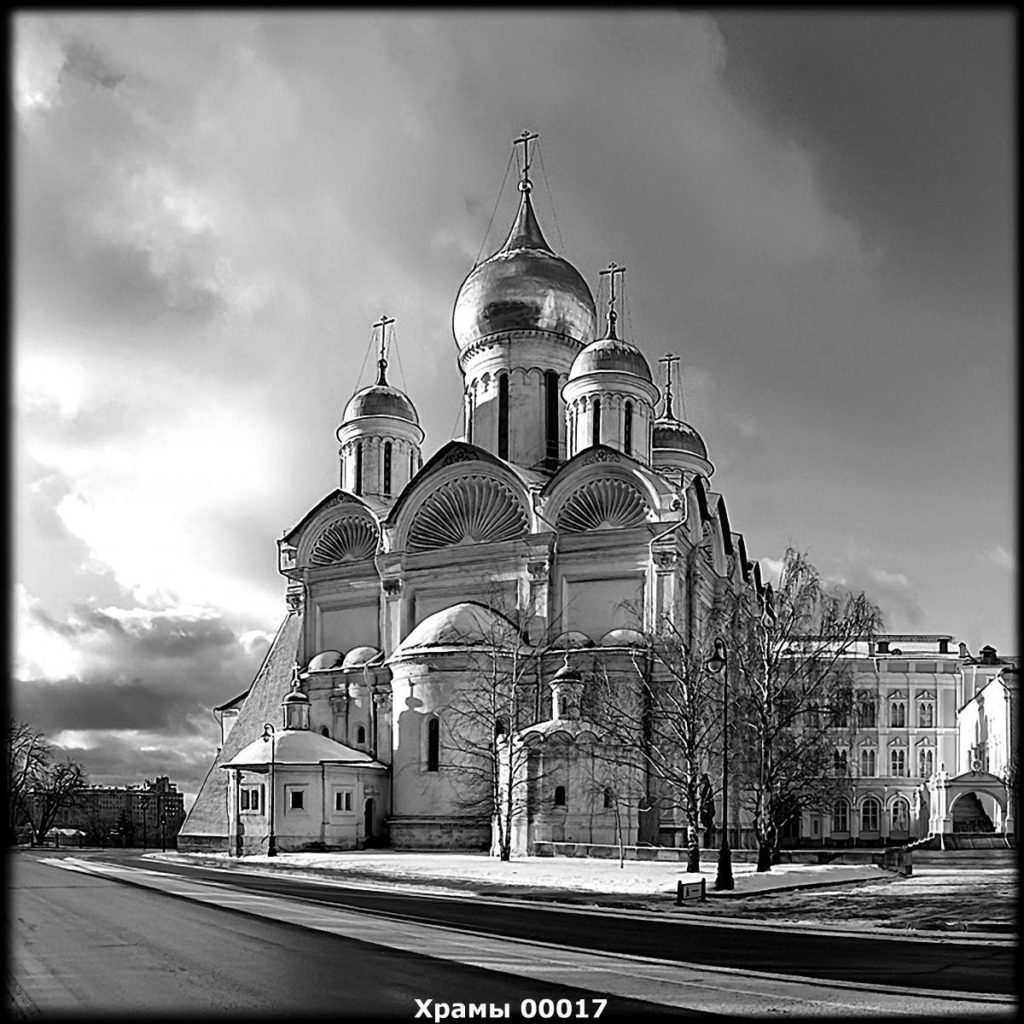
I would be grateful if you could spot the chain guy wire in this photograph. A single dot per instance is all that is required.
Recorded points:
(551, 199)
(490, 223)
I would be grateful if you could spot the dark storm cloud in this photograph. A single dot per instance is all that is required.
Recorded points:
(157, 674)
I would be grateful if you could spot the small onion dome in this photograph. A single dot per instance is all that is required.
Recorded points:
(380, 400)
(677, 436)
(571, 639)
(566, 675)
(323, 660)
(524, 286)
(622, 638)
(295, 696)
(611, 354)
(360, 656)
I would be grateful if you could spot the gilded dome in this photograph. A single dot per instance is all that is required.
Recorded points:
(524, 286)
(678, 436)
(380, 400)
(611, 354)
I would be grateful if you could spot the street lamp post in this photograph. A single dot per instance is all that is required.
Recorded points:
(144, 804)
(719, 662)
(270, 734)
(163, 840)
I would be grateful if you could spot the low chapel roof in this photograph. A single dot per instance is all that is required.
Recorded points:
(299, 747)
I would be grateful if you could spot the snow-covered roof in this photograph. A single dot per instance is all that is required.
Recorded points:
(466, 624)
(300, 746)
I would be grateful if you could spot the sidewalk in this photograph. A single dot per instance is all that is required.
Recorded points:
(853, 897)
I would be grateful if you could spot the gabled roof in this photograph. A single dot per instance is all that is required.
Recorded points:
(459, 451)
(234, 702)
(335, 497)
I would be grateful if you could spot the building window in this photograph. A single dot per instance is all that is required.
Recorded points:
(867, 763)
(559, 796)
(866, 714)
(899, 815)
(926, 715)
(839, 763)
(925, 762)
(250, 798)
(500, 727)
(412, 464)
(358, 483)
(609, 797)
(387, 469)
(841, 816)
(361, 734)
(503, 416)
(869, 815)
(551, 415)
(596, 423)
(433, 745)
(898, 762)
(343, 800)
(627, 429)
(898, 715)
(296, 799)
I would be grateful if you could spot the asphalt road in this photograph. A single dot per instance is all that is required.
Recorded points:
(82, 944)
(947, 965)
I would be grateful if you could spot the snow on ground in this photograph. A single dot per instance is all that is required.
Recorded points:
(636, 878)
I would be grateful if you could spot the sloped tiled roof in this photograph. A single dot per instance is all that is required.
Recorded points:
(208, 816)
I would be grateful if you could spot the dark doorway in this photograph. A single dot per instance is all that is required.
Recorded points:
(369, 838)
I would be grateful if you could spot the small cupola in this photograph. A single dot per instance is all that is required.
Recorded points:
(610, 395)
(380, 435)
(566, 693)
(295, 705)
(676, 447)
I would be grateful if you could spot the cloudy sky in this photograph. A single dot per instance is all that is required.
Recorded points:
(816, 212)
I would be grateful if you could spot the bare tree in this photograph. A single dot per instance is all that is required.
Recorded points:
(27, 751)
(39, 787)
(55, 787)
(793, 696)
(483, 722)
(663, 723)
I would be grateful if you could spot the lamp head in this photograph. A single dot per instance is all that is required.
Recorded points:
(717, 662)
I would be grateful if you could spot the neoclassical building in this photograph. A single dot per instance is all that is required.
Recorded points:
(579, 505)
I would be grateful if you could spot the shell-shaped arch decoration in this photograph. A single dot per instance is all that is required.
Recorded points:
(602, 505)
(348, 539)
(468, 510)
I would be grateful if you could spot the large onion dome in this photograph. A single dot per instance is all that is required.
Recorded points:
(524, 286)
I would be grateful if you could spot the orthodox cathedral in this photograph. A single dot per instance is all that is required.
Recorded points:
(575, 514)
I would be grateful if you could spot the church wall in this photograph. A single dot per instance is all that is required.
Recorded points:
(449, 806)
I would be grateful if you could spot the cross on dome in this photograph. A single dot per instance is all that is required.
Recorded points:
(668, 360)
(524, 140)
(382, 363)
(613, 269)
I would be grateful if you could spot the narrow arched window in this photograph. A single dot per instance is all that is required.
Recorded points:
(596, 422)
(500, 727)
(869, 815)
(627, 429)
(551, 415)
(361, 734)
(387, 469)
(609, 797)
(324, 731)
(559, 796)
(433, 745)
(412, 464)
(841, 816)
(503, 416)
(358, 483)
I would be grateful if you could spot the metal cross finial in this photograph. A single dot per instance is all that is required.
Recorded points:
(668, 360)
(382, 363)
(524, 140)
(613, 269)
